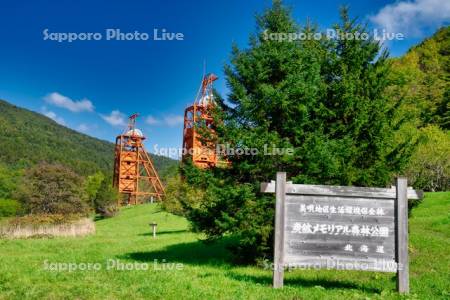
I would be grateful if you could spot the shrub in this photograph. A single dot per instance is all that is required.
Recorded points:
(9, 208)
(429, 168)
(52, 189)
(106, 199)
(92, 185)
(180, 195)
(8, 181)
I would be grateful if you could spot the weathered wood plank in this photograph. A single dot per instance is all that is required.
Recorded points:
(343, 191)
(314, 249)
(335, 207)
(319, 234)
(338, 227)
(278, 272)
(338, 262)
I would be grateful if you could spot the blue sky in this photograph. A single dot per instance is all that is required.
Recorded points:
(91, 86)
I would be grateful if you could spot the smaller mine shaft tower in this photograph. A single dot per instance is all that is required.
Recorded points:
(200, 150)
(134, 173)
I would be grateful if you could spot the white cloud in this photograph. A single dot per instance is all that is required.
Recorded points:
(83, 127)
(412, 17)
(65, 102)
(173, 120)
(150, 120)
(115, 118)
(53, 116)
(169, 120)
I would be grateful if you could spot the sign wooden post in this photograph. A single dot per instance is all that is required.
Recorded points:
(278, 271)
(401, 241)
(341, 227)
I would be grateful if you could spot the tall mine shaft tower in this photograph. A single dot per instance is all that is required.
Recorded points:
(134, 173)
(197, 117)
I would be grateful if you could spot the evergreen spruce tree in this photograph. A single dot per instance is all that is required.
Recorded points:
(324, 99)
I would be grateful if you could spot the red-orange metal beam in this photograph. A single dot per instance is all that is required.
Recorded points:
(133, 166)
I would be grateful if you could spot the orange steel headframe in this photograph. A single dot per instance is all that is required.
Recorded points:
(201, 151)
(134, 173)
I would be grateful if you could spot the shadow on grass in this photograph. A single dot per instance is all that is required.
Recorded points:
(216, 254)
(303, 282)
(98, 218)
(163, 232)
(194, 253)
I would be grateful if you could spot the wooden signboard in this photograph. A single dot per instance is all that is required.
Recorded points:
(344, 228)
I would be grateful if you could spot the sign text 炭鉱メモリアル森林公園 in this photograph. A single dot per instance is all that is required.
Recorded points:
(337, 227)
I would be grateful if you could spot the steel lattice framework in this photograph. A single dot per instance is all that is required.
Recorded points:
(200, 150)
(134, 173)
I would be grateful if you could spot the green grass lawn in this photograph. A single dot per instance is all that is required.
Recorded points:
(207, 270)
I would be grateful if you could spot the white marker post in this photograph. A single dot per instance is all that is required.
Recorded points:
(153, 225)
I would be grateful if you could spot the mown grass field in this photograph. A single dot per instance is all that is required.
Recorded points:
(208, 272)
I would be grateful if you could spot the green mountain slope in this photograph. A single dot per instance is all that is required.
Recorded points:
(422, 77)
(28, 138)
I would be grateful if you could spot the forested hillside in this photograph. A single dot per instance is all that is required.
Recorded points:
(422, 79)
(28, 138)
(420, 85)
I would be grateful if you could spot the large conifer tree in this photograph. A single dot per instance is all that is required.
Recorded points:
(322, 98)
